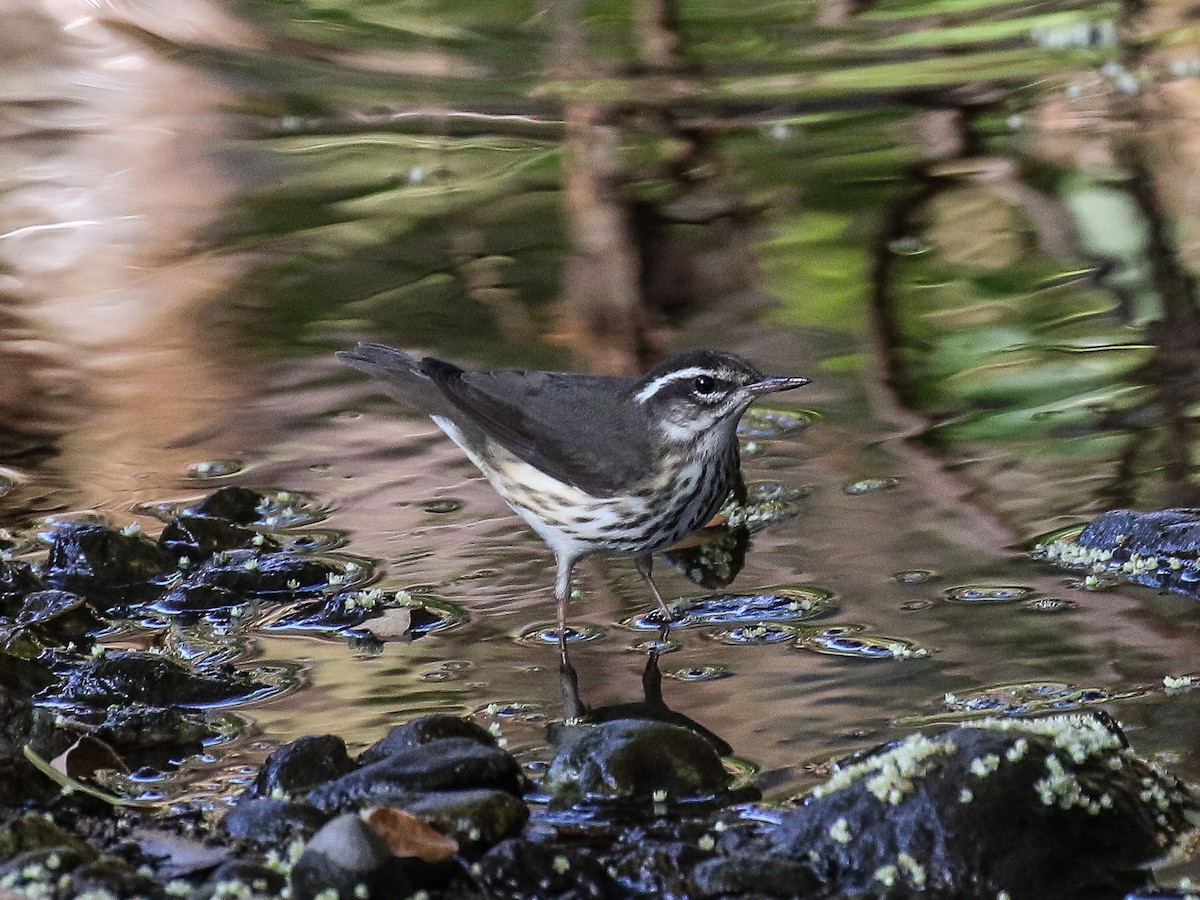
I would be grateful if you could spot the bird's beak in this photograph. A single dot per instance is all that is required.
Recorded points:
(774, 384)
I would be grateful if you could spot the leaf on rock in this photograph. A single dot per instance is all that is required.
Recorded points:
(406, 835)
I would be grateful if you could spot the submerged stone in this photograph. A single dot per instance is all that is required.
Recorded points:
(63, 614)
(248, 573)
(232, 502)
(634, 761)
(17, 579)
(94, 559)
(136, 727)
(127, 676)
(199, 537)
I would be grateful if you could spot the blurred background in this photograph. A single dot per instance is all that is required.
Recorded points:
(975, 224)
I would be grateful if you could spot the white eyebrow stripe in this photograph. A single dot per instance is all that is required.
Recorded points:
(662, 380)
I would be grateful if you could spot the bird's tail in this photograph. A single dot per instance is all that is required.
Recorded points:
(399, 370)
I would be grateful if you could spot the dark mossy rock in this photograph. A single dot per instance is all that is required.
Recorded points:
(422, 730)
(443, 765)
(132, 728)
(63, 614)
(112, 876)
(634, 760)
(344, 854)
(1044, 808)
(268, 822)
(17, 579)
(300, 766)
(476, 818)
(33, 831)
(232, 502)
(98, 561)
(520, 869)
(199, 537)
(248, 573)
(132, 677)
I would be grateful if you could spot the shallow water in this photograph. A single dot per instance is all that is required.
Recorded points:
(973, 225)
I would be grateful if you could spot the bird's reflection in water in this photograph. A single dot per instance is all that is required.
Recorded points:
(651, 707)
(712, 558)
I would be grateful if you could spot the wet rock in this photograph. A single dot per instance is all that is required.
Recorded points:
(346, 609)
(442, 765)
(96, 560)
(229, 876)
(17, 579)
(24, 677)
(270, 822)
(422, 730)
(344, 854)
(21, 723)
(475, 818)
(248, 573)
(519, 869)
(634, 760)
(64, 614)
(197, 598)
(111, 876)
(34, 872)
(1043, 808)
(1160, 549)
(34, 832)
(234, 503)
(300, 766)
(129, 676)
(199, 537)
(762, 875)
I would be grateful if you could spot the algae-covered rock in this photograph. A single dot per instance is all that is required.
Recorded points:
(1045, 808)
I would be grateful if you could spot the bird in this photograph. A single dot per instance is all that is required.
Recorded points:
(592, 463)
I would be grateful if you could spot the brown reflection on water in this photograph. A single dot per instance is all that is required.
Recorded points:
(120, 158)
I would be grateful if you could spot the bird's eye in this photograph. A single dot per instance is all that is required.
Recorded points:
(704, 384)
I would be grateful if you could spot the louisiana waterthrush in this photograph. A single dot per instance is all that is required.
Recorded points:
(592, 463)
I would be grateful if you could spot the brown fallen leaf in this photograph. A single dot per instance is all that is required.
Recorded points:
(392, 624)
(86, 757)
(406, 835)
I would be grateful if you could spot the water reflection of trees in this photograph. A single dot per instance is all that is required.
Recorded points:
(1036, 306)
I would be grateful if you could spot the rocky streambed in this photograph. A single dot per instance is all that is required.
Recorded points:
(636, 802)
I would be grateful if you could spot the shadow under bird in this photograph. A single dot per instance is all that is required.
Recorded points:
(628, 466)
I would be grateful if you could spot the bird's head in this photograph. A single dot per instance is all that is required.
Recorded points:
(703, 393)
